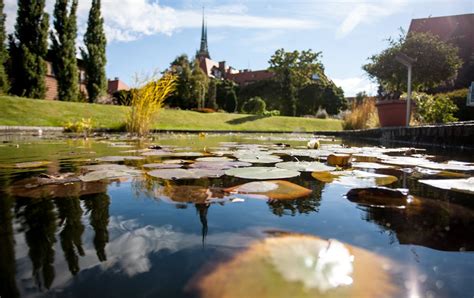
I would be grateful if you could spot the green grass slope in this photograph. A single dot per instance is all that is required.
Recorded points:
(33, 112)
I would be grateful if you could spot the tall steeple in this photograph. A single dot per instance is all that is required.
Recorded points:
(203, 50)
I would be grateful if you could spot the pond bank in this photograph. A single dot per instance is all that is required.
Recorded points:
(459, 135)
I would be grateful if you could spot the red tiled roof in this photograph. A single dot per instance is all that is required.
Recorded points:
(247, 77)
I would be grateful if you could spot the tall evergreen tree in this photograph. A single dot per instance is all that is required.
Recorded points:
(64, 50)
(211, 95)
(28, 48)
(94, 54)
(4, 84)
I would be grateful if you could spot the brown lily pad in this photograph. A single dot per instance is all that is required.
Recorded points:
(273, 189)
(378, 196)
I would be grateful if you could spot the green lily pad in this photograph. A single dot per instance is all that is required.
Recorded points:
(305, 166)
(460, 185)
(298, 266)
(425, 163)
(261, 173)
(214, 159)
(25, 165)
(263, 158)
(106, 167)
(108, 174)
(162, 165)
(171, 174)
(370, 165)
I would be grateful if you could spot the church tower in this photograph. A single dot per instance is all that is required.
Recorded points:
(203, 50)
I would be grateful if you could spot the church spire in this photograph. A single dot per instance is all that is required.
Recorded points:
(203, 50)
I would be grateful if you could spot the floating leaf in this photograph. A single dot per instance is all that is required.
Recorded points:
(460, 185)
(370, 165)
(108, 174)
(26, 165)
(305, 166)
(354, 178)
(220, 165)
(214, 159)
(261, 173)
(183, 194)
(162, 165)
(273, 189)
(118, 158)
(170, 174)
(299, 266)
(378, 196)
(425, 163)
(340, 160)
(106, 167)
(263, 158)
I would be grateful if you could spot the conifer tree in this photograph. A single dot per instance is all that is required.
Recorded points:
(64, 50)
(211, 95)
(94, 53)
(28, 49)
(4, 84)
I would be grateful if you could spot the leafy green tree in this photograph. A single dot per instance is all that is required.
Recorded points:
(4, 82)
(183, 97)
(64, 50)
(94, 55)
(434, 109)
(211, 95)
(268, 90)
(28, 49)
(436, 63)
(255, 105)
(226, 96)
(199, 84)
(289, 94)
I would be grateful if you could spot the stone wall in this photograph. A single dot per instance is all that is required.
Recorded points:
(459, 135)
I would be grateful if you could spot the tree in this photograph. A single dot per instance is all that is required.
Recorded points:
(436, 63)
(28, 48)
(289, 94)
(94, 54)
(4, 83)
(226, 96)
(211, 95)
(64, 50)
(255, 105)
(198, 84)
(183, 97)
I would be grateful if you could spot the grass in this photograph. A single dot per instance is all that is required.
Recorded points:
(32, 112)
(361, 116)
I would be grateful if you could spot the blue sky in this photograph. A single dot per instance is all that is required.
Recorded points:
(145, 35)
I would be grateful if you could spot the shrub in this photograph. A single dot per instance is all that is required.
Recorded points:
(361, 116)
(123, 97)
(83, 126)
(147, 102)
(272, 113)
(321, 113)
(256, 105)
(434, 109)
(459, 98)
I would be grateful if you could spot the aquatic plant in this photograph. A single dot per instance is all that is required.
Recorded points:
(147, 102)
(83, 126)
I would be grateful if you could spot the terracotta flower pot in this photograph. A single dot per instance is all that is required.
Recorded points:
(392, 112)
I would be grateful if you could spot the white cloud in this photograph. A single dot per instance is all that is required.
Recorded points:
(360, 13)
(352, 86)
(128, 20)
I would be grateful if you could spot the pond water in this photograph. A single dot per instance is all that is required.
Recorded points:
(66, 232)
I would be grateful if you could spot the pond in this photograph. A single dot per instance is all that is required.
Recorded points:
(235, 215)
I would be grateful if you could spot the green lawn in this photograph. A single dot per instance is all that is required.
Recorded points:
(33, 112)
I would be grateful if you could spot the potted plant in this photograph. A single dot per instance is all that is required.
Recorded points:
(435, 63)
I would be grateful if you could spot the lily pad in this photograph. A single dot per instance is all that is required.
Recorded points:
(220, 165)
(108, 174)
(299, 266)
(305, 166)
(340, 160)
(162, 165)
(214, 159)
(425, 163)
(354, 178)
(118, 158)
(272, 189)
(261, 173)
(460, 185)
(106, 167)
(370, 165)
(379, 196)
(170, 174)
(263, 158)
(26, 165)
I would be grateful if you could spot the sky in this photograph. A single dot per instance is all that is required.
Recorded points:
(146, 35)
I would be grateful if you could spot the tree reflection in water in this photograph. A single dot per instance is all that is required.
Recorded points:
(8, 287)
(70, 214)
(98, 208)
(38, 221)
(202, 210)
(299, 206)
